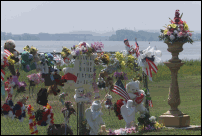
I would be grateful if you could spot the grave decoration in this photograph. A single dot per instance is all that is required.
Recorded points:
(175, 36)
(108, 103)
(34, 79)
(19, 109)
(149, 59)
(94, 119)
(57, 59)
(32, 122)
(7, 108)
(67, 112)
(45, 116)
(58, 81)
(128, 113)
(11, 55)
(42, 97)
(27, 61)
(177, 31)
(62, 97)
(66, 55)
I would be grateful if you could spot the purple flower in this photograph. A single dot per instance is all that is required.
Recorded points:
(117, 74)
(73, 46)
(125, 76)
(77, 52)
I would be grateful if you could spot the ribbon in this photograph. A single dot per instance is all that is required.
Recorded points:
(152, 66)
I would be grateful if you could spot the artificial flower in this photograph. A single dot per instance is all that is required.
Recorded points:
(173, 25)
(172, 37)
(165, 31)
(186, 27)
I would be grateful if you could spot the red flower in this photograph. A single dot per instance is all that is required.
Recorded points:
(6, 107)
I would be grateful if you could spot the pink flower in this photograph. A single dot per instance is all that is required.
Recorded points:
(185, 22)
(169, 33)
(190, 34)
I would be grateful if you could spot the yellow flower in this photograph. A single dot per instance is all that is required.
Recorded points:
(165, 31)
(186, 27)
(173, 25)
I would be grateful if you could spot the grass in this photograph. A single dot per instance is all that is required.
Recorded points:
(189, 81)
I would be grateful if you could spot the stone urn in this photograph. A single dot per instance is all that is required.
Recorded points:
(175, 49)
(174, 117)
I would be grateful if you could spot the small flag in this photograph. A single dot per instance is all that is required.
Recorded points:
(150, 103)
(120, 90)
(2, 75)
(7, 53)
(137, 49)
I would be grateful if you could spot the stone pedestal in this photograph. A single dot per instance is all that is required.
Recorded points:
(174, 117)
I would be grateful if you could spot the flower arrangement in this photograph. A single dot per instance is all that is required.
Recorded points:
(148, 123)
(105, 59)
(121, 75)
(65, 52)
(85, 48)
(177, 31)
(11, 59)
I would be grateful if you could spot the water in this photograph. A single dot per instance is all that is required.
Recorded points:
(191, 51)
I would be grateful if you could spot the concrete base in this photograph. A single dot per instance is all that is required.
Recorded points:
(175, 118)
(191, 127)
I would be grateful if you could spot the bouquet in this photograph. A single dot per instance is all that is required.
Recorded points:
(177, 31)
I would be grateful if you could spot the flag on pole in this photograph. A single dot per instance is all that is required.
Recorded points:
(150, 103)
(137, 48)
(120, 90)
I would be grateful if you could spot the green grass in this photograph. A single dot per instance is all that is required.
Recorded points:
(189, 81)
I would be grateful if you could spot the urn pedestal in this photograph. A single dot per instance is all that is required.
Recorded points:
(174, 117)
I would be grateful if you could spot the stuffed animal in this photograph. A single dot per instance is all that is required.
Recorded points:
(79, 96)
(138, 96)
(42, 97)
(19, 109)
(108, 102)
(27, 61)
(53, 89)
(11, 54)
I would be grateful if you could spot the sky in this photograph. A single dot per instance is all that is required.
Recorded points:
(33, 17)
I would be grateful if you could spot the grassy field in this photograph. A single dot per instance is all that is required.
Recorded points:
(189, 81)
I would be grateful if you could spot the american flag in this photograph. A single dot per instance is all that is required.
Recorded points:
(150, 103)
(7, 53)
(137, 48)
(120, 90)
(2, 75)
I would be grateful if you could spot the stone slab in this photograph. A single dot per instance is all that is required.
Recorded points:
(191, 127)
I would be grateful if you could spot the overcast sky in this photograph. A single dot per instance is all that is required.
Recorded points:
(33, 17)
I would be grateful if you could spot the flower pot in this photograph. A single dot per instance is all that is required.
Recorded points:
(175, 48)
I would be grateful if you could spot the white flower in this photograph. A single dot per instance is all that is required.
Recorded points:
(152, 119)
(175, 32)
(172, 37)
(179, 29)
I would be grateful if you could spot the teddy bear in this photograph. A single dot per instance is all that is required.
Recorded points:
(27, 61)
(12, 55)
(138, 96)
(79, 96)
